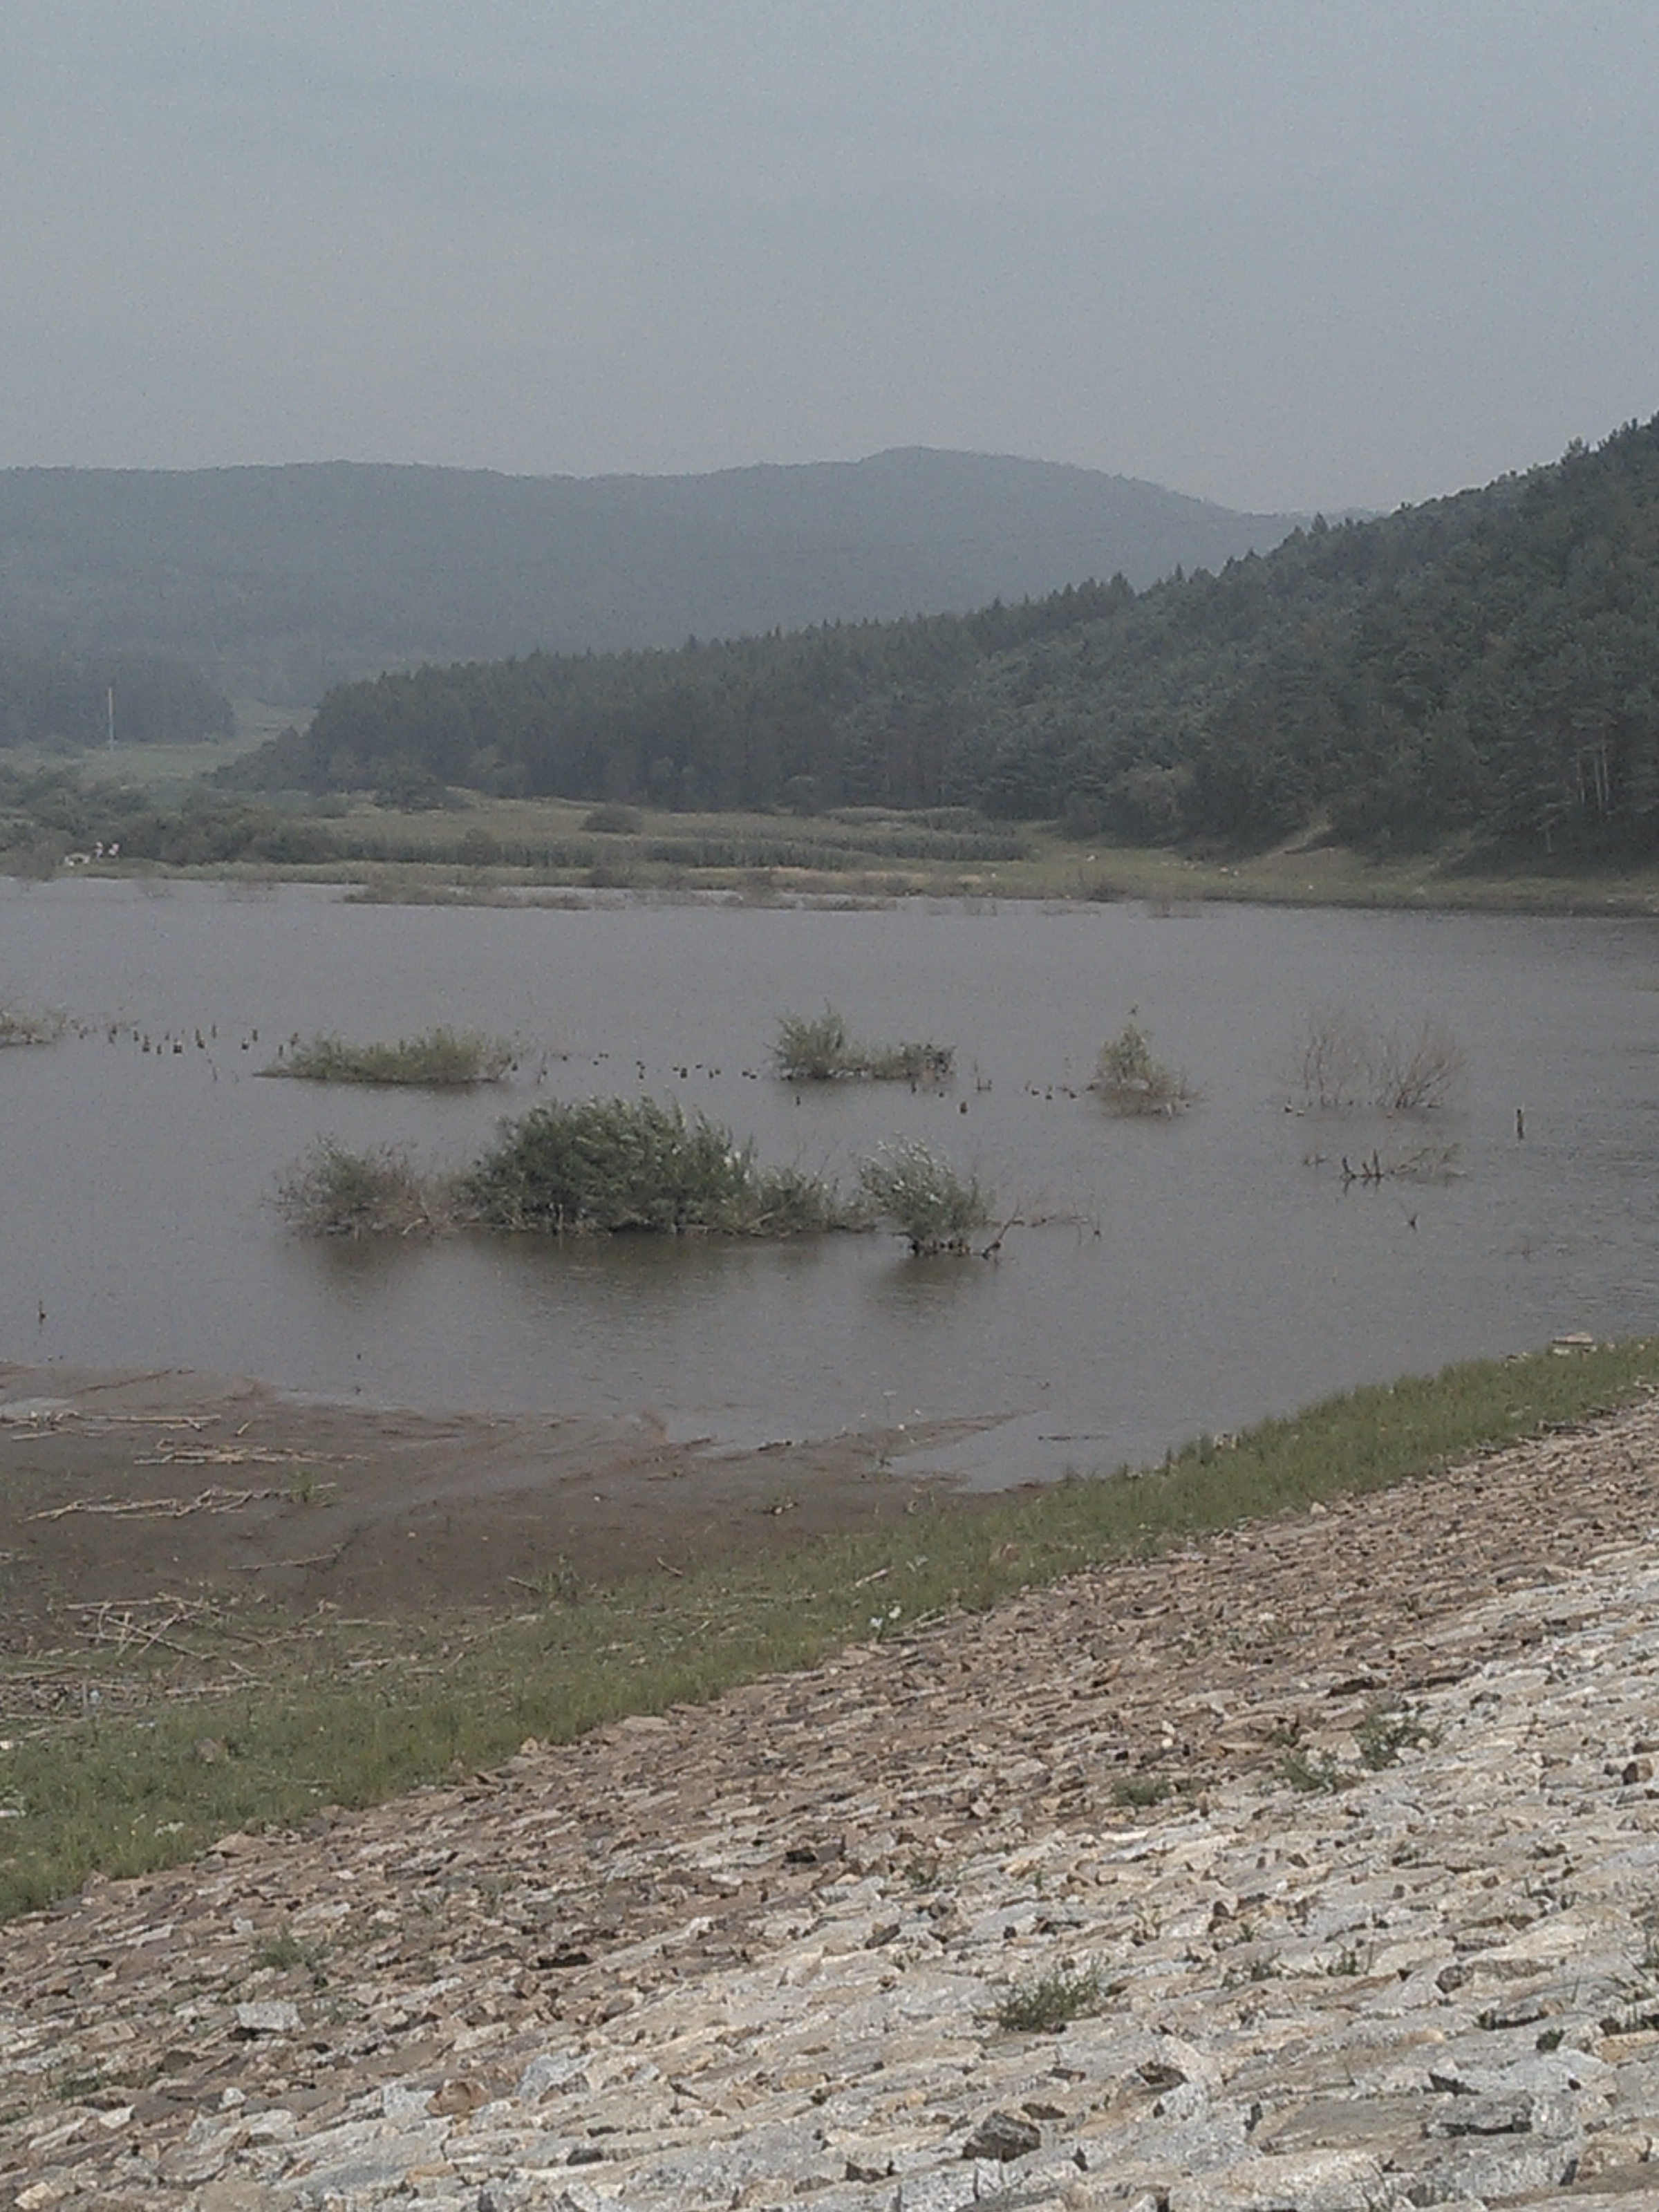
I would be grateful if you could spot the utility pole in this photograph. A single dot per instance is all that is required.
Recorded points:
(109, 707)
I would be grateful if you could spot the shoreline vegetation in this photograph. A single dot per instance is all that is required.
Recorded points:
(475, 850)
(335, 1719)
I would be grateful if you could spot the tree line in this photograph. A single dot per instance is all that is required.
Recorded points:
(48, 699)
(1485, 665)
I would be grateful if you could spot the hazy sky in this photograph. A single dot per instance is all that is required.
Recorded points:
(1279, 253)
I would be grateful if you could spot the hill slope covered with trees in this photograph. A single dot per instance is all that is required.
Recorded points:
(1485, 665)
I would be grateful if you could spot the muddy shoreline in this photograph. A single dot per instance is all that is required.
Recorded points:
(126, 1486)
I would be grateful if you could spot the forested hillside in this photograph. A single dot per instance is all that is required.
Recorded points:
(1486, 664)
(280, 581)
(49, 698)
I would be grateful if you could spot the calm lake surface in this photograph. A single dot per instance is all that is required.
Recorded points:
(1191, 1275)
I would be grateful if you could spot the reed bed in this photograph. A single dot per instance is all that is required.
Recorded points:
(441, 1058)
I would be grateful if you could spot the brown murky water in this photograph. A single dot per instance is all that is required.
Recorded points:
(1191, 1275)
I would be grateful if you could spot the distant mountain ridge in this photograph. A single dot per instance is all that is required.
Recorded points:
(277, 582)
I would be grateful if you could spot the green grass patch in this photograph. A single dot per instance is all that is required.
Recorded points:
(442, 1058)
(125, 1795)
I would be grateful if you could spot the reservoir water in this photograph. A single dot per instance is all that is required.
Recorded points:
(1173, 1277)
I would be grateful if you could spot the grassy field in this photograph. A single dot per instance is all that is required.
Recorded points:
(864, 856)
(266, 1720)
(476, 848)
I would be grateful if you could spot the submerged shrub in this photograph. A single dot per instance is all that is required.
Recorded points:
(620, 1164)
(1338, 1061)
(1417, 1074)
(924, 1197)
(443, 1058)
(910, 1062)
(812, 1051)
(1132, 1080)
(1330, 1063)
(821, 1050)
(31, 1025)
(335, 1192)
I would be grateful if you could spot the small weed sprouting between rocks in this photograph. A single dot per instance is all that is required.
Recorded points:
(335, 1192)
(1311, 1774)
(1131, 1080)
(924, 1197)
(283, 1951)
(1049, 2003)
(1141, 1789)
(442, 1060)
(634, 1164)
(1386, 1731)
(820, 1050)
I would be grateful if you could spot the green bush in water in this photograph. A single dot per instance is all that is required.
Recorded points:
(924, 1197)
(622, 1163)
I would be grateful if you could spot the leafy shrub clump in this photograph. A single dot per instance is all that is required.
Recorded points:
(821, 1050)
(924, 1197)
(1132, 1080)
(335, 1192)
(444, 1058)
(622, 1163)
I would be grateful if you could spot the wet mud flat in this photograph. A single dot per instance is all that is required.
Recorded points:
(127, 1490)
